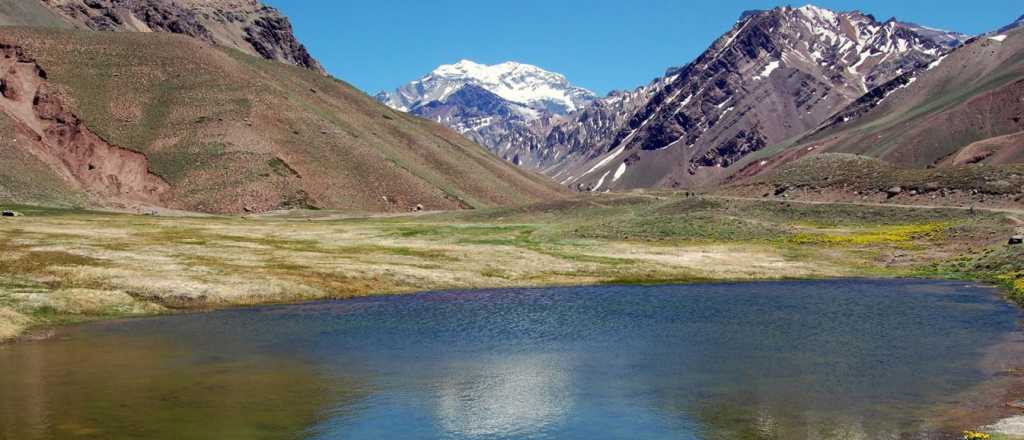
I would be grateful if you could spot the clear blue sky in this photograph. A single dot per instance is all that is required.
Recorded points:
(598, 44)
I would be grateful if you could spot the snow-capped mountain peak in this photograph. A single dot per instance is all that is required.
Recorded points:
(503, 106)
(816, 13)
(516, 82)
(775, 74)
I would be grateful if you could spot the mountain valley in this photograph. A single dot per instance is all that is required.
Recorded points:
(192, 163)
(778, 76)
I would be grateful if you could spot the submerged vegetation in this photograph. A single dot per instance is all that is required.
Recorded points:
(62, 266)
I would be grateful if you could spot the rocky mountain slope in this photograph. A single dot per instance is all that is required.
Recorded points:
(246, 25)
(964, 108)
(941, 36)
(515, 82)
(775, 75)
(507, 107)
(193, 126)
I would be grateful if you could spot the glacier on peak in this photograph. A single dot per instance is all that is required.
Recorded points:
(519, 83)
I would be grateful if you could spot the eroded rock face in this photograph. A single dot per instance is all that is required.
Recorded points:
(108, 172)
(246, 25)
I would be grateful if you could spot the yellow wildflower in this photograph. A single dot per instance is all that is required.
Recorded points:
(974, 435)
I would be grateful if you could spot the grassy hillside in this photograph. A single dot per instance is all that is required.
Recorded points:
(29, 13)
(230, 132)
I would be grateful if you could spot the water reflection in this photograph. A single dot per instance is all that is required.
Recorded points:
(517, 395)
(85, 387)
(830, 360)
(749, 417)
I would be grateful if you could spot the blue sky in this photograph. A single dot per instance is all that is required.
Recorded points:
(598, 44)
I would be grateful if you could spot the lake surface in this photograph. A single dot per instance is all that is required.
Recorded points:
(842, 359)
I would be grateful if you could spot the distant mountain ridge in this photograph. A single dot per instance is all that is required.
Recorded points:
(506, 107)
(948, 38)
(1017, 23)
(246, 25)
(515, 82)
(776, 74)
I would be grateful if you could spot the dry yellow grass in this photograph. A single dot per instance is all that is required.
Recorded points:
(61, 266)
(11, 323)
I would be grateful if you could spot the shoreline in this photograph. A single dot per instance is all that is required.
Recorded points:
(46, 331)
(984, 403)
(70, 267)
(64, 266)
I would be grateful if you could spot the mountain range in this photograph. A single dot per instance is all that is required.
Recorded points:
(216, 106)
(775, 77)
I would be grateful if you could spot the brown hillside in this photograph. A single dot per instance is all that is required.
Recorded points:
(965, 108)
(997, 150)
(229, 132)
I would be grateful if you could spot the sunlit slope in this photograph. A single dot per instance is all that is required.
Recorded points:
(974, 94)
(230, 132)
(29, 13)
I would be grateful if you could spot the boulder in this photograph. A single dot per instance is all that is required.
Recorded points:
(1016, 240)
(9, 213)
(894, 191)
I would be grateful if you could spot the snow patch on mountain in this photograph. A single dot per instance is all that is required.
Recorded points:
(619, 172)
(515, 82)
(767, 72)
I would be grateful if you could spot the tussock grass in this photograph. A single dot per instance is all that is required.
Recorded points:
(66, 266)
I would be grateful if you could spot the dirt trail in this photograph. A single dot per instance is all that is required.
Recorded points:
(1013, 212)
(1017, 222)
